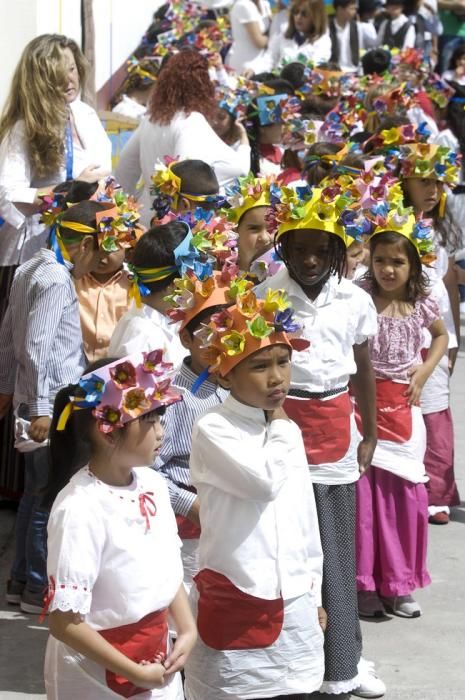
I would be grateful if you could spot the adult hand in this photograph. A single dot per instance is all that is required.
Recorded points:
(93, 173)
(322, 618)
(5, 403)
(181, 650)
(39, 428)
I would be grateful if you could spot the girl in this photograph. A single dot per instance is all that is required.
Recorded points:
(306, 35)
(337, 320)
(257, 594)
(427, 194)
(132, 97)
(113, 562)
(456, 68)
(391, 497)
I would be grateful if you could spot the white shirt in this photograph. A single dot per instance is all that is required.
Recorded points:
(452, 75)
(108, 567)
(343, 315)
(367, 39)
(184, 137)
(282, 50)
(243, 54)
(257, 509)
(144, 329)
(409, 41)
(21, 236)
(129, 108)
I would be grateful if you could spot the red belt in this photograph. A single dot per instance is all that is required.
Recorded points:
(393, 414)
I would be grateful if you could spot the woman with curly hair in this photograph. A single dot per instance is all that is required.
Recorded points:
(178, 125)
(47, 135)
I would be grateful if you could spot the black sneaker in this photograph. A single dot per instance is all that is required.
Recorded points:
(32, 602)
(14, 591)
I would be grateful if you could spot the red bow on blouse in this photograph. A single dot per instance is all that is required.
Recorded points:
(147, 507)
(48, 597)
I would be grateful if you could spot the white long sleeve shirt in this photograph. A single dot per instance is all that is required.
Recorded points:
(22, 236)
(257, 509)
(367, 39)
(184, 137)
(283, 49)
(398, 23)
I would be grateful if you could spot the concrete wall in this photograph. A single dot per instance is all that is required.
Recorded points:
(119, 25)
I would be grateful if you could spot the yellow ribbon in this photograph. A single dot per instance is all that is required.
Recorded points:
(76, 226)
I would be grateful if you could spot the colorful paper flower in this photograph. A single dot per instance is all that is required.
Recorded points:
(93, 390)
(234, 343)
(108, 418)
(259, 327)
(284, 321)
(123, 375)
(153, 363)
(135, 402)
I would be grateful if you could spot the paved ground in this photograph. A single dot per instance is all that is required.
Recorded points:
(421, 659)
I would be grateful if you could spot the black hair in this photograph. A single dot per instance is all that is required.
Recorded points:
(449, 233)
(318, 106)
(75, 191)
(418, 282)
(294, 73)
(343, 3)
(280, 85)
(455, 117)
(82, 213)
(156, 249)
(457, 54)
(337, 258)
(195, 322)
(197, 177)
(71, 448)
(376, 62)
(261, 77)
(316, 170)
(252, 125)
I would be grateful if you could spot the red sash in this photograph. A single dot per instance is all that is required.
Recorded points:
(187, 530)
(393, 414)
(325, 426)
(229, 619)
(140, 641)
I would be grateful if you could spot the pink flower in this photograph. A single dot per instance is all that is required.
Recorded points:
(123, 375)
(108, 418)
(153, 363)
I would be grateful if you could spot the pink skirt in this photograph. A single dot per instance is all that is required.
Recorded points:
(391, 534)
(439, 459)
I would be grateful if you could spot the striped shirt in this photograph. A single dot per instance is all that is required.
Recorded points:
(173, 460)
(40, 337)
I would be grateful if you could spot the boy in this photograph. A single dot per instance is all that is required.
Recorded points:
(257, 595)
(348, 36)
(40, 352)
(397, 31)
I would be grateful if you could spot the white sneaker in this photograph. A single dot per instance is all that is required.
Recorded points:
(369, 604)
(370, 686)
(402, 606)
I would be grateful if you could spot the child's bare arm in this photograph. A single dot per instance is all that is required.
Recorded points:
(363, 383)
(186, 632)
(420, 373)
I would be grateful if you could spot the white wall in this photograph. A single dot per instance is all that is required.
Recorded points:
(119, 25)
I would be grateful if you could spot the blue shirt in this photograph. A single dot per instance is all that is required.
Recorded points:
(40, 337)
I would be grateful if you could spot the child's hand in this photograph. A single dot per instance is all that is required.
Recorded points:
(418, 377)
(193, 514)
(40, 428)
(181, 650)
(322, 618)
(5, 403)
(148, 675)
(365, 452)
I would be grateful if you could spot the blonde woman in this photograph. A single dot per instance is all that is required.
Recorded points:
(306, 35)
(47, 135)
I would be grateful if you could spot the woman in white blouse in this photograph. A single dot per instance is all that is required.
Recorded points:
(250, 22)
(177, 125)
(306, 35)
(47, 135)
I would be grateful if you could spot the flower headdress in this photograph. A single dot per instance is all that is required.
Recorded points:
(390, 139)
(147, 68)
(123, 390)
(438, 90)
(232, 101)
(167, 189)
(430, 161)
(246, 193)
(194, 293)
(391, 214)
(250, 325)
(117, 225)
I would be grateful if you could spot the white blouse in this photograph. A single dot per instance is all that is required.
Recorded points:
(282, 49)
(184, 137)
(243, 54)
(21, 236)
(257, 508)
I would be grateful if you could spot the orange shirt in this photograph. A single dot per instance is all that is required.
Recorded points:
(101, 305)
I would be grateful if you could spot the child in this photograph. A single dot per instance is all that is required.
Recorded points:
(41, 351)
(132, 97)
(113, 553)
(205, 297)
(337, 320)
(396, 31)
(391, 498)
(456, 68)
(103, 298)
(181, 186)
(154, 269)
(257, 595)
(348, 36)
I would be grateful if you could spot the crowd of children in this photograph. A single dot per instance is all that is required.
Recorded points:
(234, 402)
